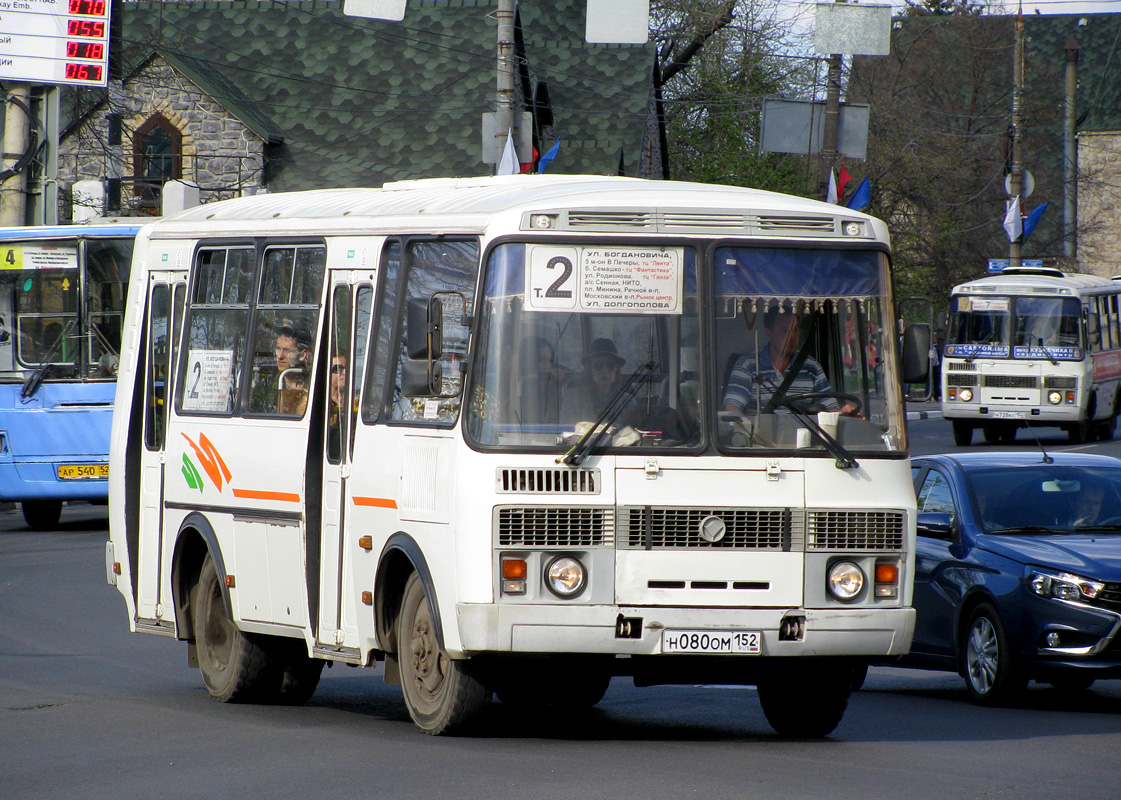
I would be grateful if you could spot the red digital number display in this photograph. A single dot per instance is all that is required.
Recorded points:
(85, 50)
(85, 27)
(83, 72)
(91, 8)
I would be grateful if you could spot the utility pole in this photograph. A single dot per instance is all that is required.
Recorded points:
(1016, 177)
(831, 125)
(506, 72)
(1070, 153)
(17, 133)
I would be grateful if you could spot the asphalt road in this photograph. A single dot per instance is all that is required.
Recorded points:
(88, 710)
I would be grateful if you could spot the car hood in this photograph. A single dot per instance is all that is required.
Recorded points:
(1095, 556)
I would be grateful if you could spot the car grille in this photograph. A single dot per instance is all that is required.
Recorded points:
(855, 530)
(1109, 597)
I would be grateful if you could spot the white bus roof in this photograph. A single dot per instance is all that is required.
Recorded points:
(583, 203)
(95, 229)
(1026, 282)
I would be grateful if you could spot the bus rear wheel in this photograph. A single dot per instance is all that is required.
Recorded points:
(42, 515)
(441, 694)
(805, 700)
(235, 666)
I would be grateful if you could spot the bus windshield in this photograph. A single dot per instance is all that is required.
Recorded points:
(1025, 327)
(609, 338)
(61, 305)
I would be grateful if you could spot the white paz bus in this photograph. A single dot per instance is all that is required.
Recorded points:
(1033, 346)
(506, 436)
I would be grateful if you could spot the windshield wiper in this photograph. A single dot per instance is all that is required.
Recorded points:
(1108, 527)
(45, 365)
(844, 458)
(591, 438)
(1047, 352)
(988, 338)
(1031, 529)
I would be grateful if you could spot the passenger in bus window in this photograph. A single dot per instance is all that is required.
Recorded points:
(585, 400)
(336, 401)
(750, 383)
(285, 391)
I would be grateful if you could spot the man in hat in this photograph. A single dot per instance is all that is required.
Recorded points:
(602, 380)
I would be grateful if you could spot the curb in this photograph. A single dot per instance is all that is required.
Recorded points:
(913, 415)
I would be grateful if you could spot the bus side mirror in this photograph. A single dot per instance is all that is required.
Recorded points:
(425, 328)
(916, 353)
(422, 378)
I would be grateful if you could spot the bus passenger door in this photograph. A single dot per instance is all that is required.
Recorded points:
(347, 334)
(163, 322)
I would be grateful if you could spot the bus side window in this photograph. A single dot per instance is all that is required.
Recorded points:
(1114, 328)
(447, 268)
(1093, 333)
(377, 377)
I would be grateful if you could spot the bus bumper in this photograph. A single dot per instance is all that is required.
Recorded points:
(1030, 415)
(29, 480)
(594, 629)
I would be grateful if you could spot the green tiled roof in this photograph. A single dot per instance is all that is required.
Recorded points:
(360, 102)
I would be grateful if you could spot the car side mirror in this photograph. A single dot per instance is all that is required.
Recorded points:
(935, 524)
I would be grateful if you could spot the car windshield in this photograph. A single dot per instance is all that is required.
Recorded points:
(1045, 498)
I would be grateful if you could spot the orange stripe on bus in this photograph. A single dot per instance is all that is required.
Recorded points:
(252, 494)
(376, 502)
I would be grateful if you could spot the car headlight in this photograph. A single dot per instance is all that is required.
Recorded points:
(565, 576)
(1064, 586)
(966, 395)
(1054, 398)
(845, 580)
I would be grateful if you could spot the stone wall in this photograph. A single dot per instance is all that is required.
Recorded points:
(1099, 203)
(219, 154)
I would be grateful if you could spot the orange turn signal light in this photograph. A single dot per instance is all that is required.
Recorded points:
(514, 569)
(887, 573)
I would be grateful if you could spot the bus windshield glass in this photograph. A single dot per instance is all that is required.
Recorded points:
(609, 338)
(61, 306)
(1024, 327)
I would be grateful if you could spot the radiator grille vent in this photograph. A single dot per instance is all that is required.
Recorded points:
(555, 526)
(1057, 382)
(854, 530)
(676, 528)
(962, 380)
(547, 481)
(1012, 381)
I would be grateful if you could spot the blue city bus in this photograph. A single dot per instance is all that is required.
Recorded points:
(62, 295)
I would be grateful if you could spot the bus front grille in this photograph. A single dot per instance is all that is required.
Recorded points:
(555, 526)
(854, 530)
(962, 380)
(654, 528)
(1060, 382)
(509, 480)
(1011, 381)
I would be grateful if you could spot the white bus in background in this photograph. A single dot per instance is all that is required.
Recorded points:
(354, 426)
(1033, 346)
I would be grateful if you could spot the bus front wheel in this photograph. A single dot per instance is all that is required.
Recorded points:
(805, 700)
(42, 515)
(963, 433)
(441, 694)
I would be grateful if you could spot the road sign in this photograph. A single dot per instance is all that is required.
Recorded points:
(49, 42)
(1000, 264)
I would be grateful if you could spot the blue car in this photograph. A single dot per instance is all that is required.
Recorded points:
(1018, 570)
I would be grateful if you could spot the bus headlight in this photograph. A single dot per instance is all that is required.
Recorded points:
(1054, 398)
(845, 580)
(565, 576)
(966, 395)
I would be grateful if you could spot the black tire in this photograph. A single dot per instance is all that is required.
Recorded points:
(1081, 432)
(441, 694)
(299, 672)
(236, 667)
(1071, 682)
(990, 433)
(1106, 428)
(859, 675)
(805, 700)
(991, 674)
(1007, 435)
(42, 515)
(963, 433)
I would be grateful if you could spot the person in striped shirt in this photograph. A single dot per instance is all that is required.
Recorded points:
(749, 382)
